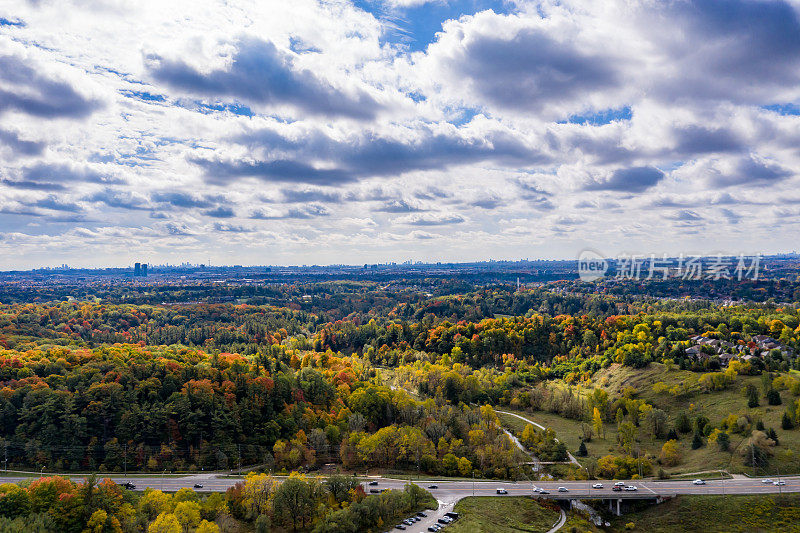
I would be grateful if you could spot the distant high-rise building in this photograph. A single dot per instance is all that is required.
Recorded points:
(137, 269)
(144, 270)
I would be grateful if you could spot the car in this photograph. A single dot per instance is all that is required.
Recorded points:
(502, 491)
(433, 529)
(433, 486)
(631, 488)
(779, 483)
(373, 483)
(452, 515)
(400, 526)
(443, 521)
(408, 522)
(374, 491)
(128, 485)
(619, 484)
(198, 485)
(597, 486)
(766, 481)
(422, 515)
(616, 488)
(563, 489)
(543, 492)
(698, 482)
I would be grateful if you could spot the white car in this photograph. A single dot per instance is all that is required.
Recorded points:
(631, 488)
(597, 486)
(779, 483)
(699, 482)
(619, 484)
(766, 481)
(563, 489)
(538, 489)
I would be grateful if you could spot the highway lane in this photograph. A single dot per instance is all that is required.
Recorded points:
(459, 489)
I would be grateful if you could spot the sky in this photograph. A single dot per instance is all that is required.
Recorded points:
(326, 132)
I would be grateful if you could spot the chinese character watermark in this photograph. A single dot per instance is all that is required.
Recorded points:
(593, 266)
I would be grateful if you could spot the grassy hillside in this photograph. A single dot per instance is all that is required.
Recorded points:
(715, 405)
(717, 513)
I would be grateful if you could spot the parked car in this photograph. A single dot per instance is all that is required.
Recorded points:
(444, 521)
(452, 515)
(597, 486)
(421, 514)
(563, 489)
(433, 529)
(616, 488)
(400, 526)
(502, 491)
(631, 488)
(699, 482)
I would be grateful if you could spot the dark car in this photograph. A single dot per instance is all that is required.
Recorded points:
(444, 521)
(374, 491)
(400, 526)
(433, 486)
(373, 483)
(452, 515)
(421, 514)
(198, 485)
(128, 485)
(543, 492)
(432, 529)
(616, 488)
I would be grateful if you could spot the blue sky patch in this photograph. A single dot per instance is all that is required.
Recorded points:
(783, 109)
(600, 118)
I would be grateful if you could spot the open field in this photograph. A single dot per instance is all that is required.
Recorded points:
(502, 515)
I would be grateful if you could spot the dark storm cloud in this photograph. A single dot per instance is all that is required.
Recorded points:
(632, 180)
(750, 171)
(260, 73)
(20, 146)
(531, 70)
(368, 156)
(27, 90)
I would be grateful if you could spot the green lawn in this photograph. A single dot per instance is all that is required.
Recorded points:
(717, 514)
(502, 515)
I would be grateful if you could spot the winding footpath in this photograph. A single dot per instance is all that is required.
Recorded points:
(528, 420)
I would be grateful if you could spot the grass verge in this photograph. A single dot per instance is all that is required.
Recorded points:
(503, 515)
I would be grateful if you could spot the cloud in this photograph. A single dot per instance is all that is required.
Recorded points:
(53, 203)
(24, 88)
(399, 206)
(260, 73)
(220, 212)
(20, 146)
(118, 199)
(228, 228)
(632, 180)
(180, 199)
(432, 219)
(305, 212)
(51, 175)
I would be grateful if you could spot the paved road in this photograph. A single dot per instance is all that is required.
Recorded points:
(448, 493)
(535, 424)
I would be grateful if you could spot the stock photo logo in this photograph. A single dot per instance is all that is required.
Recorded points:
(591, 265)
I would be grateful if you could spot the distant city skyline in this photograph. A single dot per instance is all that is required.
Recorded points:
(366, 131)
